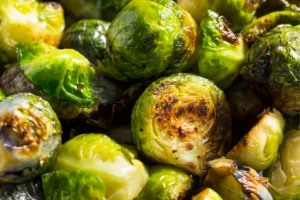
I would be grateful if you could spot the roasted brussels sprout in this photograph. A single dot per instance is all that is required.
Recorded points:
(63, 77)
(182, 120)
(88, 37)
(207, 194)
(273, 68)
(221, 51)
(267, 22)
(233, 181)
(239, 12)
(284, 175)
(60, 185)
(28, 21)
(149, 38)
(94, 9)
(258, 149)
(122, 174)
(166, 182)
(29, 137)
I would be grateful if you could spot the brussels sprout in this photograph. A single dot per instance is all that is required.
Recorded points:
(265, 23)
(83, 185)
(273, 68)
(239, 12)
(258, 149)
(94, 9)
(221, 51)
(63, 77)
(122, 174)
(29, 137)
(88, 37)
(233, 181)
(284, 175)
(28, 21)
(149, 38)
(207, 194)
(182, 120)
(166, 182)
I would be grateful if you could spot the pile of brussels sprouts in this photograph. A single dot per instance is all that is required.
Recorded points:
(149, 99)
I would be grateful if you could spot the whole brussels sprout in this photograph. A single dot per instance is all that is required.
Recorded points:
(207, 194)
(233, 181)
(94, 9)
(65, 78)
(284, 175)
(30, 134)
(83, 185)
(273, 68)
(182, 120)
(258, 149)
(267, 22)
(238, 12)
(149, 38)
(88, 37)
(28, 21)
(221, 51)
(122, 174)
(166, 182)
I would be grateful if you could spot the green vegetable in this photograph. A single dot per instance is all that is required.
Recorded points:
(166, 182)
(69, 81)
(182, 120)
(81, 185)
(207, 194)
(284, 175)
(88, 37)
(221, 51)
(28, 21)
(267, 22)
(63, 77)
(149, 38)
(122, 174)
(273, 68)
(30, 134)
(233, 181)
(238, 12)
(258, 148)
(94, 9)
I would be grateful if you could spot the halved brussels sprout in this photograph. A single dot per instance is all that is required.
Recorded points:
(122, 174)
(267, 22)
(29, 136)
(273, 68)
(182, 120)
(28, 21)
(239, 12)
(166, 182)
(258, 148)
(62, 77)
(83, 185)
(233, 181)
(149, 38)
(284, 175)
(94, 9)
(207, 194)
(221, 51)
(88, 37)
